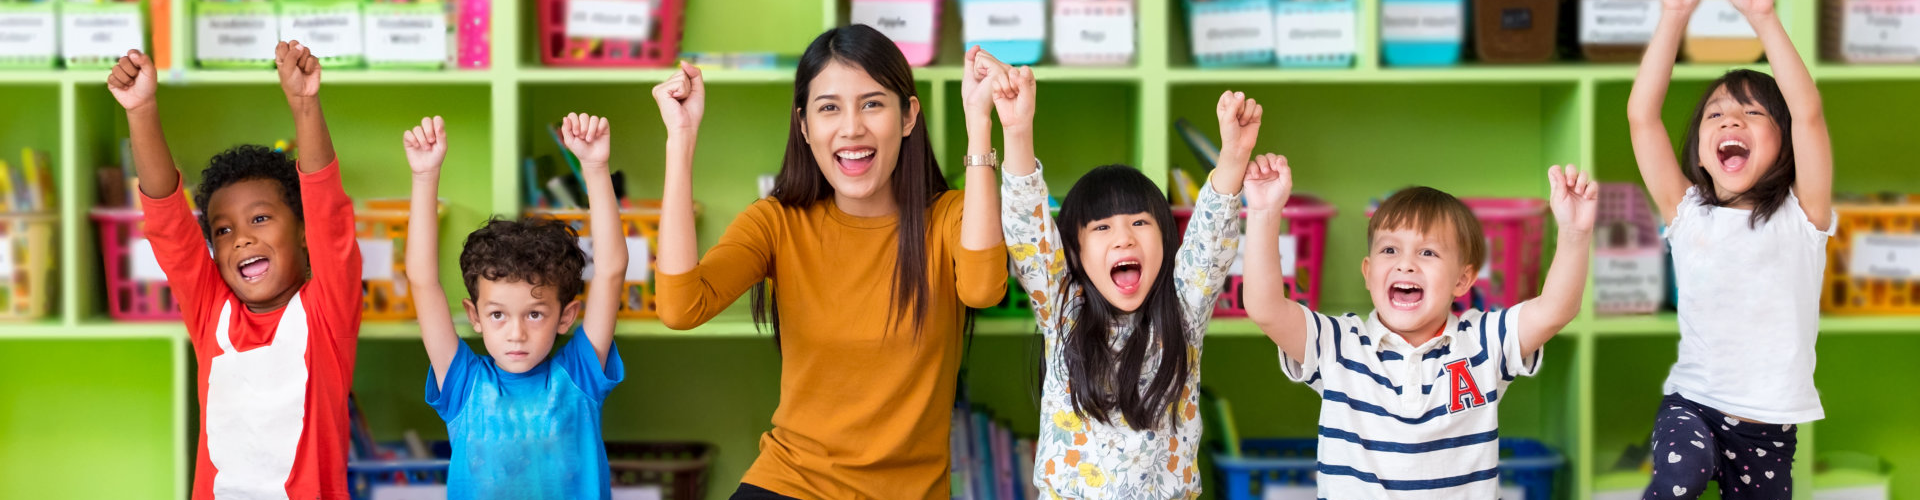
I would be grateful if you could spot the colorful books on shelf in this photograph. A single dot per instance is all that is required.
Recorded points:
(989, 461)
(28, 186)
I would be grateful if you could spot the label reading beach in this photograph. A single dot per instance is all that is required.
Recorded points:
(146, 266)
(1314, 33)
(103, 34)
(902, 22)
(6, 257)
(236, 36)
(1630, 278)
(409, 37)
(26, 34)
(1895, 256)
(376, 259)
(616, 19)
(1618, 22)
(1009, 20)
(1231, 32)
(1093, 30)
(1422, 22)
(1289, 250)
(329, 34)
(1881, 31)
(1718, 19)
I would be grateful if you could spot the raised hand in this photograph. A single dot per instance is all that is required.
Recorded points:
(426, 146)
(1013, 98)
(1574, 197)
(1239, 124)
(586, 136)
(1269, 183)
(299, 69)
(133, 81)
(979, 74)
(682, 100)
(1753, 8)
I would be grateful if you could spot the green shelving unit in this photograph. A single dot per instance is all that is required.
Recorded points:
(87, 397)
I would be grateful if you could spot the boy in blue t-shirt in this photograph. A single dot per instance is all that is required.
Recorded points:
(521, 425)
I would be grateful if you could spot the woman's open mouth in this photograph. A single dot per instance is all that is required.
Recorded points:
(854, 161)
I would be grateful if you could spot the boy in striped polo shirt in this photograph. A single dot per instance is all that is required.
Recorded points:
(1410, 393)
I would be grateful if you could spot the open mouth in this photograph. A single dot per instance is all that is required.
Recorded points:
(254, 268)
(1733, 155)
(854, 161)
(1126, 276)
(1405, 296)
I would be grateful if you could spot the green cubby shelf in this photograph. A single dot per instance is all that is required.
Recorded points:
(87, 393)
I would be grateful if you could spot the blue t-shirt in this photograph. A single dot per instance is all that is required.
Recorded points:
(527, 435)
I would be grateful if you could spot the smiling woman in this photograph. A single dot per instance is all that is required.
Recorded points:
(870, 351)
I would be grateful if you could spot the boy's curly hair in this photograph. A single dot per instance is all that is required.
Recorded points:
(244, 163)
(539, 251)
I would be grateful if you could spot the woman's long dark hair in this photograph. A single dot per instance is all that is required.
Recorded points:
(1100, 379)
(1770, 190)
(916, 178)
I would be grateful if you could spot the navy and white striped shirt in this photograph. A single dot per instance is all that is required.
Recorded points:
(1404, 421)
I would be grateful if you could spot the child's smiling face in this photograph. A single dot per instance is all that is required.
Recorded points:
(259, 244)
(1738, 142)
(519, 321)
(1413, 277)
(1121, 256)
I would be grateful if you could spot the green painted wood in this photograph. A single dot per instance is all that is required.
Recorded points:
(89, 419)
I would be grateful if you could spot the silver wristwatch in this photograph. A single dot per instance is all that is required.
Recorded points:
(991, 159)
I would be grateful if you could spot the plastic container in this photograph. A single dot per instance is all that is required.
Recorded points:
(382, 231)
(1870, 31)
(642, 228)
(95, 35)
(230, 35)
(1422, 32)
(331, 28)
(475, 33)
(680, 470)
(1515, 31)
(1527, 468)
(1093, 32)
(26, 265)
(1630, 263)
(1717, 33)
(1617, 30)
(1873, 261)
(404, 477)
(406, 35)
(1514, 227)
(1306, 229)
(1014, 31)
(32, 41)
(913, 25)
(653, 40)
(136, 288)
(1315, 33)
(1227, 33)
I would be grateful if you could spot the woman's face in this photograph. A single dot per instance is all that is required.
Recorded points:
(854, 126)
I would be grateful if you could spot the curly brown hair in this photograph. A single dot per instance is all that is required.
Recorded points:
(538, 251)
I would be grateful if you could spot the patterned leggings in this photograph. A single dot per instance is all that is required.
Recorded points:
(1693, 444)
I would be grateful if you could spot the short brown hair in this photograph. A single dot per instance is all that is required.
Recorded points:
(538, 251)
(1431, 210)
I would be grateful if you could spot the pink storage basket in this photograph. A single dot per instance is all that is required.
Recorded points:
(662, 49)
(913, 25)
(131, 297)
(1514, 227)
(1306, 220)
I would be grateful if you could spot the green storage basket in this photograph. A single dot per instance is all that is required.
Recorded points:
(377, 12)
(231, 12)
(20, 55)
(135, 13)
(354, 37)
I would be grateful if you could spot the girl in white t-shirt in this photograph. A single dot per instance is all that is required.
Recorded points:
(1748, 207)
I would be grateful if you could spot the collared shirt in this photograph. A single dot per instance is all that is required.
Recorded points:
(1405, 421)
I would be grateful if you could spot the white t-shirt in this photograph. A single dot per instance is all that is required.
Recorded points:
(1399, 421)
(1749, 310)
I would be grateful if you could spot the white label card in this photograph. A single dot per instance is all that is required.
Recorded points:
(1486, 266)
(103, 34)
(410, 492)
(1232, 32)
(1422, 22)
(1287, 492)
(1289, 252)
(376, 259)
(27, 34)
(411, 37)
(643, 492)
(902, 22)
(1895, 256)
(236, 36)
(987, 21)
(1881, 30)
(639, 259)
(1314, 33)
(616, 19)
(1630, 278)
(1082, 31)
(329, 34)
(146, 266)
(1718, 19)
(1621, 22)
(6, 257)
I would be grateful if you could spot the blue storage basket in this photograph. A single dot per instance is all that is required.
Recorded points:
(1422, 52)
(1015, 52)
(363, 476)
(1526, 463)
(1261, 9)
(1300, 7)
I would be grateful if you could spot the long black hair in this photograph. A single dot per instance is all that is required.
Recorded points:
(916, 178)
(1770, 191)
(1100, 379)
